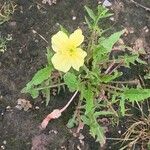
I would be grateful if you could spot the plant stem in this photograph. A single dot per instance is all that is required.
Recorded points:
(51, 86)
(72, 98)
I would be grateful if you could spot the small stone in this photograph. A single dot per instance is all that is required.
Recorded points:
(74, 18)
(36, 41)
(106, 3)
(8, 107)
(53, 131)
(119, 131)
(37, 107)
(2, 147)
(4, 142)
(146, 29)
(112, 18)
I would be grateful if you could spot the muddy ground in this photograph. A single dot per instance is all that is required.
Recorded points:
(26, 54)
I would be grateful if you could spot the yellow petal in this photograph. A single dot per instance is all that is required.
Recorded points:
(59, 41)
(78, 59)
(61, 62)
(76, 38)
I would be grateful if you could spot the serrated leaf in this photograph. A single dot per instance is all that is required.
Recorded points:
(109, 42)
(141, 61)
(130, 59)
(34, 93)
(107, 78)
(103, 113)
(40, 76)
(90, 13)
(98, 132)
(102, 12)
(100, 54)
(122, 105)
(85, 119)
(88, 23)
(136, 94)
(71, 81)
(71, 123)
(88, 95)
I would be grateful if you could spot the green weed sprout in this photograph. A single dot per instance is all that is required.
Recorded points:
(91, 71)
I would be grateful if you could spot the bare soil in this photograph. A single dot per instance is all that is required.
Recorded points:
(26, 54)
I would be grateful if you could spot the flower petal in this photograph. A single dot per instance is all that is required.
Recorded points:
(78, 59)
(59, 41)
(61, 62)
(76, 37)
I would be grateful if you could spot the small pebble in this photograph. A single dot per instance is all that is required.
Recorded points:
(112, 18)
(4, 142)
(53, 131)
(119, 131)
(74, 18)
(36, 41)
(37, 107)
(8, 107)
(2, 147)
(146, 29)
(106, 3)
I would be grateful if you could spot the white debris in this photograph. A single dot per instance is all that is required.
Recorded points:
(74, 18)
(106, 3)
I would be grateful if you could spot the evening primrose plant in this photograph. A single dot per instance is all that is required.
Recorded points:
(90, 70)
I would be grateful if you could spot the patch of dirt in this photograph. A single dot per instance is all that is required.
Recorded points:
(26, 54)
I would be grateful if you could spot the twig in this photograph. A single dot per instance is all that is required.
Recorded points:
(136, 81)
(109, 68)
(140, 5)
(35, 32)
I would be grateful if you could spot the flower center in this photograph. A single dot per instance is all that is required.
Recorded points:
(71, 52)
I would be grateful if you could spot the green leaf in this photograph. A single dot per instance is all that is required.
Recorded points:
(38, 78)
(88, 23)
(89, 96)
(103, 113)
(122, 105)
(141, 61)
(34, 93)
(103, 12)
(136, 94)
(71, 81)
(90, 13)
(41, 75)
(109, 42)
(128, 59)
(147, 76)
(64, 29)
(107, 78)
(71, 123)
(97, 132)
(95, 129)
(100, 54)
(49, 55)
(85, 119)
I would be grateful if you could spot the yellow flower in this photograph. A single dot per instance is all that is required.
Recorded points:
(68, 54)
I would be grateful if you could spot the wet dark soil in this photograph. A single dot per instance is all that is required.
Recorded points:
(26, 54)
